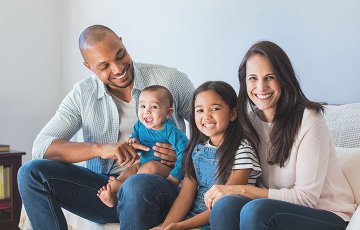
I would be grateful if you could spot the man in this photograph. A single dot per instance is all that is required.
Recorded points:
(104, 107)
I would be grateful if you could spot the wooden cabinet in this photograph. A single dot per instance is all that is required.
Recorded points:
(10, 206)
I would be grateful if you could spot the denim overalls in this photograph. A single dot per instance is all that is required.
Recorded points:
(205, 163)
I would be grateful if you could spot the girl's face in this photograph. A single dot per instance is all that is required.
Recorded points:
(212, 116)
(263, 87)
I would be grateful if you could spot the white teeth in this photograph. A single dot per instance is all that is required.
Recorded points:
(209, 125)
(121, 75)
(262, 96)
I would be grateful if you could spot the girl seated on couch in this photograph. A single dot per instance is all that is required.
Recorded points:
(217, 153)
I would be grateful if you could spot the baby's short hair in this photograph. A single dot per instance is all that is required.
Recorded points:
(167, 93)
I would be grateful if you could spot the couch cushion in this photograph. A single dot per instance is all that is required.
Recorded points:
(349, 159)
(354, 223)
(344, 124)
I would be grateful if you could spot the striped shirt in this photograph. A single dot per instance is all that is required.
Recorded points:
(245, 158)
(90, 107)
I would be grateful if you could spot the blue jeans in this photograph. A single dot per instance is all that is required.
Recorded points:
(45, 186)
(236, 212)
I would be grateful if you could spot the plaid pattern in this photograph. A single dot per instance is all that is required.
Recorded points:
(90, 107)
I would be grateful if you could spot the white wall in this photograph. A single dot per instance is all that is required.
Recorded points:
(206, 39)
(31, 69)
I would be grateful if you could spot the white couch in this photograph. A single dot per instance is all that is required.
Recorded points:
(344, 124)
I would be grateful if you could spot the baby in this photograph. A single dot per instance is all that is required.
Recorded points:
(154, 110)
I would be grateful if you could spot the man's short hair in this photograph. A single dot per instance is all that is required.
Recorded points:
(94, 34)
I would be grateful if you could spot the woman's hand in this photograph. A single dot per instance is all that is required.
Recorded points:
(166, 153)
(216, 192)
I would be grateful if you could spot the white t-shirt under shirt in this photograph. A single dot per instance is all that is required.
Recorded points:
(245, 158)
(127, 118)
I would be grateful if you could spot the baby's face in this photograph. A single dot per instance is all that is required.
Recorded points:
(154, 109)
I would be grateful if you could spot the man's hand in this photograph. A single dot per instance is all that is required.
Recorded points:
(166, 153)
(124, 153)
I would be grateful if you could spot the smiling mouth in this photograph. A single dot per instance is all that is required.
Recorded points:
(148, 119)
(209, 125)
(263, 96)
(122, 74)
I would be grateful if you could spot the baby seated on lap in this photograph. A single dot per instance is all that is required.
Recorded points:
(154, 125)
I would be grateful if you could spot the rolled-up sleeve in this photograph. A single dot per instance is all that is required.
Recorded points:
(63, 125)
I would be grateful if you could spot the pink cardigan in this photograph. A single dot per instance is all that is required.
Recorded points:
(311, 176)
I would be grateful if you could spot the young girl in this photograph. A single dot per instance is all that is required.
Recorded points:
(216, 154)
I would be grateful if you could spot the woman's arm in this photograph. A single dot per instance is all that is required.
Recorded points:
(218, 191)
(236, 185)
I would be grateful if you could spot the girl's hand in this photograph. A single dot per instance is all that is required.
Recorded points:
(216, 192)
(158, 228)
(173, 226)
(166, 153)
(173, 180)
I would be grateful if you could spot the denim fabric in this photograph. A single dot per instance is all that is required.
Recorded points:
(205, 163)
(45, 186)
(236, 212)
(144, 200)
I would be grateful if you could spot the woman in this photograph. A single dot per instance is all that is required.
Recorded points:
(303, 187)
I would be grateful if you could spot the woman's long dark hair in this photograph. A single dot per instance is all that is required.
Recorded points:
(289, 109)
(231, 140)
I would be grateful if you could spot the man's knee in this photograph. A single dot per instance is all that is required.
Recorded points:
(28, 172)
(33, 166)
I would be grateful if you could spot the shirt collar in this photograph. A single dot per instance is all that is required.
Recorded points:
(138, 77)
(101, 87)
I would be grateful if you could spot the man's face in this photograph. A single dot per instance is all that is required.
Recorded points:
(109, 60)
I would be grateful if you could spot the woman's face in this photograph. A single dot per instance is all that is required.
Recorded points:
(263, 87)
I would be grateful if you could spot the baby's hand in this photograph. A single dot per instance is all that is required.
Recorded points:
(132, 141)
(173, 180)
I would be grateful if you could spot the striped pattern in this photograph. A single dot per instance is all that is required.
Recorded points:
(90, 107)
(246, 158)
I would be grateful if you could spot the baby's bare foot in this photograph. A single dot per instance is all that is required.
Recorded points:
(112, 178)
(107, 196)
(114, 183)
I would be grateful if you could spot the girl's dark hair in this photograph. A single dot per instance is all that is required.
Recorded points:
(231, 140)
(289, 109)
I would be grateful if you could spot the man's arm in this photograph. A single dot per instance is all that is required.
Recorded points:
(71, 152)
(53, 142)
